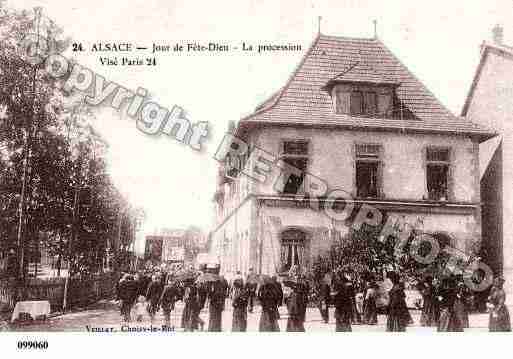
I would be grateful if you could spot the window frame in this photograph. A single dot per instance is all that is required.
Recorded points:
(296, 248)
(378, 158)
(307, 157)
(447, 163)
(377, 91)
(355, 92)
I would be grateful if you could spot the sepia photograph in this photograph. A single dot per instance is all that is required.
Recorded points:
(169, 169)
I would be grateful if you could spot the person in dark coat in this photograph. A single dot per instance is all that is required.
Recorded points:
(170, 295)
(396, 319)
(461, 303)
(203, 292)
(343, 304)
(153, 294)
(279, 295)
(269, 299)
(430, 308)
(217, 298)
(127, 293)
(295, 321)
(191, 308)
(449, 321)
(304, 291)
(163, 278)
(143, 282)
(324, 298)
(356, 317)
(499, 315)
(240, 306)
(251, 283)
(370, 312)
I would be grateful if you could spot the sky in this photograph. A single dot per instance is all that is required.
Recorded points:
(437, 40)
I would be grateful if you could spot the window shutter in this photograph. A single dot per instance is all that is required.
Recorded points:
(342, 102)
(356, 103)
(384, 104)
(370, 104)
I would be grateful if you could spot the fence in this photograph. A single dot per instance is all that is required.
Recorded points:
(81, 291)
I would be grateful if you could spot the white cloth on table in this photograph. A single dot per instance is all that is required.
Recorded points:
(34, 308)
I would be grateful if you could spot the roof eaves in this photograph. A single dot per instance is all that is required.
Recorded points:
(481, 133)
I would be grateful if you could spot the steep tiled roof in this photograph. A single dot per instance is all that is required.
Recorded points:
(361, 71)
(305, 101)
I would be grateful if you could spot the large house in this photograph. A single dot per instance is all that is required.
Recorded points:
(490, 103)
(353, 115)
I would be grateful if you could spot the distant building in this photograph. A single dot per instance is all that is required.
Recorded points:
(173, 246)
(490, 103)
(354, 116)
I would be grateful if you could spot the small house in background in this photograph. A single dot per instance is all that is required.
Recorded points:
(174, 246)
(352, 115)
(490, 103)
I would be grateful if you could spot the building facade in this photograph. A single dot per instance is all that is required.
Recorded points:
(489, 103)
(353, 119)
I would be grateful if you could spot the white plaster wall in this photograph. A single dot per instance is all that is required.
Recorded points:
(331, 158)
(492, 106)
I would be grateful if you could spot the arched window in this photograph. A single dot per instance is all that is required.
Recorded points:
(292, 248)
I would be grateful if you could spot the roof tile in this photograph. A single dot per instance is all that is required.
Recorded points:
(305, 101)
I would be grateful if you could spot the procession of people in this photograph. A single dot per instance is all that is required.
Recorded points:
(445, 301)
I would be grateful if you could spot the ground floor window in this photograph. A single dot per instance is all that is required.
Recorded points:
(292, 248)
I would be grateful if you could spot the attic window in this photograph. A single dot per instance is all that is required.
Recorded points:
(355, 100)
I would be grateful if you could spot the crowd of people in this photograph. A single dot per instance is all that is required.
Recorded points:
(444, 306)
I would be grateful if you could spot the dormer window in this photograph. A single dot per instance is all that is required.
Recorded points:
(356, 103)
(361, 91)
(361, 100)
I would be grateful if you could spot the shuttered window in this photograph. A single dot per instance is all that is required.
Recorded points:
(370, 104)
(356, 103)
(342, 102)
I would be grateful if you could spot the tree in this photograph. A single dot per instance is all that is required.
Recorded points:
(365, 252)
(71, 206)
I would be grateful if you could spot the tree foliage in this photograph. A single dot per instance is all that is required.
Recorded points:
(368, 254)
(72, 207)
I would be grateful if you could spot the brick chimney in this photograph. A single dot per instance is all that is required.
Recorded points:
(498, 35)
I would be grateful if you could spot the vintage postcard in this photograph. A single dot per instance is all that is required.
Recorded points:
(254, 166)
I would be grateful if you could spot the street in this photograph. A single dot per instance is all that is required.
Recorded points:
(104, 316)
